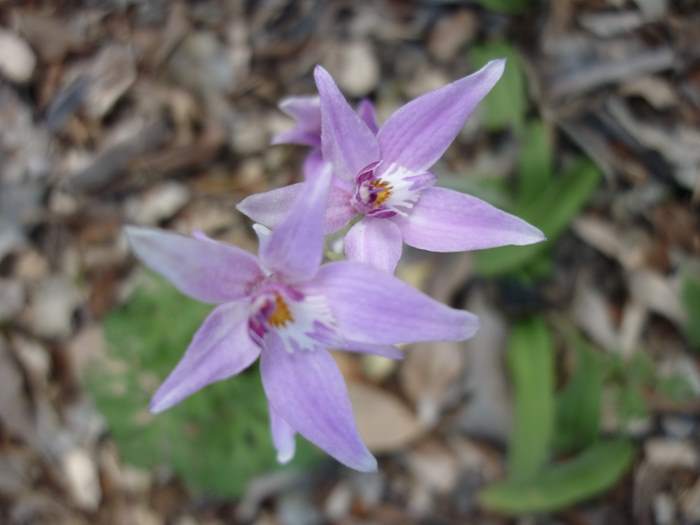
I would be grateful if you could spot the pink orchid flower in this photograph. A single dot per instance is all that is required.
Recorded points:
(287, 309)
(382, 175)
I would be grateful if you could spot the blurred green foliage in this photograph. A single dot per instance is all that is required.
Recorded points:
(564, 484)
(550, 425)
(531, 360)
(631, 378)
(690, 295)
(217, 439)
(579, 403)
(546, 423)
(547, 201)
(506, 6)
(557, 455)
(551, 210)
(535, 162)
(506, 104)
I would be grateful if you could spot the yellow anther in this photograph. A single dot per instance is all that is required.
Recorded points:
(281, 315)
(383, 189)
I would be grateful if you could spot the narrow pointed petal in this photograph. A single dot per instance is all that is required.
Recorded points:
(221, 348)
(339, 209)
(368, 114)
(313, 164)
(346, 140)
(376, 242)
(372, 306)
(271, 207)
(417, 134)
(282, 437)
(205, 269)
(308, 391)
(306, 111)
(262, 233)
(449, 221)
(295, 247)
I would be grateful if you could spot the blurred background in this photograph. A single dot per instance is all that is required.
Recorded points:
(578, 401)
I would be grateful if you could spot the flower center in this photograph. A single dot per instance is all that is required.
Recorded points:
(280, 314)
(395, 191)
(303, 322)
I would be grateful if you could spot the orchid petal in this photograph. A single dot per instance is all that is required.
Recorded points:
(205, 269)
(418, 133)
(313, 164)
(221, 348)
(339, 210)
(448, 221)
(295, 247)
(308, 391)
(270, 208)
(306, 111)
(346, 140)
(374, 241)
(262, 233)
(282, 437)
(368, 114)
(374, 307)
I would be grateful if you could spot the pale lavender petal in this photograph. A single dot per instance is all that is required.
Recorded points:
(308, 391)
(295, 247)
(418, 133)
(282, 437)
(368, 114)
(339, 209)
(205, 269)
(313, 164)
(449, 221)
(220, 349)
(372, 306)
(374, 241)
(306, 111)
(271, 207)
(199, 234)
(262, 233)
(346, 140)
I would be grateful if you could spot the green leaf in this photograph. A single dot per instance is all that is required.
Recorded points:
(630, 378)
(506, 104)
(217, 439)
(535, 162)
(676, 388)
(690, 295)
(579, 403)
(630, 402)
(559, 486)
(506, 6)
(552, 211)
(531, 362)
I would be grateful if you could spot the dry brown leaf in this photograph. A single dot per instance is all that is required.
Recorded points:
(15, 412)
(434, 466)
(385, 424)
(590, 313)
(427, 374)
(659, 293)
